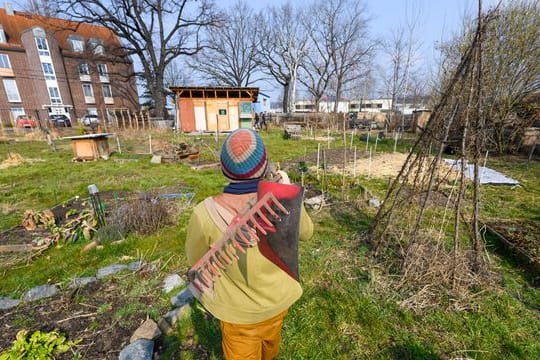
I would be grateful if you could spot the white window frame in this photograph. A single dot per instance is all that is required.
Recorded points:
(102, 69)
(109, 90)
(88, 86)
(103, 72)
(2, 35)
(48, 71)
(76, 43)
(54, 95)
(4, 60)
(12, 91)
(43, 46)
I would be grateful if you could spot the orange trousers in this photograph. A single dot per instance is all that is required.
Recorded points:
(253, 341)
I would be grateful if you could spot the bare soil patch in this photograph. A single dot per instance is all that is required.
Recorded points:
(96, 315)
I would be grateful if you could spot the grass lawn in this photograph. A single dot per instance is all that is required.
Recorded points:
(344, 313)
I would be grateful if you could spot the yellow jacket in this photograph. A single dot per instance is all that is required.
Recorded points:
(252, 289)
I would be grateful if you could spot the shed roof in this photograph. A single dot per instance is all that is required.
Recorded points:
(204, 92)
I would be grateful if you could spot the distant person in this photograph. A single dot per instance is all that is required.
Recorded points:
(256, 124)
(253, 294)
(263, 121)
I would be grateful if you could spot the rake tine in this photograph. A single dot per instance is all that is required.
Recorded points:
(238, 246)
(255, 224)
(213, 269)
(278, 204)
(263, 217)
(252, 240)
(242, 240)
(271, 211)
(200, 278)
(223, 255)
(218, 263)
(231, 251)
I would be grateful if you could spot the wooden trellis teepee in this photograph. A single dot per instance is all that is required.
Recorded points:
(428, 229)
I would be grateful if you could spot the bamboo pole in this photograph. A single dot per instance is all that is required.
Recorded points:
(367, 139)
(150, 142)
(118, 144)
(369, 163)
(354, 163)
(318, 158)
(328, 135)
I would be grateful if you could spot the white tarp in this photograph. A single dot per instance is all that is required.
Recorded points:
(487, 175)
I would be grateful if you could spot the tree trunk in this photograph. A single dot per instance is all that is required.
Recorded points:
(285, 102)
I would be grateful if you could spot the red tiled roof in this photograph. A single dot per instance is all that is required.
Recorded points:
(15, 24)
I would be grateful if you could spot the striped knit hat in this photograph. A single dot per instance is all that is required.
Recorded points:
(243, 156)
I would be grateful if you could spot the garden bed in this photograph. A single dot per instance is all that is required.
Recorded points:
(522, 238)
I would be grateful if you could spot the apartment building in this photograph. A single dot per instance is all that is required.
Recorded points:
(54, 66)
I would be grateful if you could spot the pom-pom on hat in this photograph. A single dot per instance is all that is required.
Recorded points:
(243, 156)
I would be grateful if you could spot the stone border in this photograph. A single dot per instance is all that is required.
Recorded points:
(142, 341)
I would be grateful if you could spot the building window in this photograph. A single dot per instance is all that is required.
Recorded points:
(102, 69)
(4, 61)
(379, 106)
(2, 35)
(12, 91)
(103, 73)
(107, 92)
(43, 48)
(87, 90)
(54, 94)
(84, 69)
(96, 46)
(76, 43)
(48, 71)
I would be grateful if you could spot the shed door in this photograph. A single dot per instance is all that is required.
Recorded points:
(233, 116)
(200, 118)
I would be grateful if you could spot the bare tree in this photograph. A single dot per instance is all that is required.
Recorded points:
(511, 57)
(401, 49)
(230, 57)
(316, 69)
(155, 31)
(283, 46)
(41, 7)
(346, 29)
(175, 75)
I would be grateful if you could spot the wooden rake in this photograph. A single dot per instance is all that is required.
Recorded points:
(239, 235)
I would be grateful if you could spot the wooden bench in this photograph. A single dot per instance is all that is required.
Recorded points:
(293, 131)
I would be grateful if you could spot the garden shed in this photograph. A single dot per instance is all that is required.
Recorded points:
(214, 108)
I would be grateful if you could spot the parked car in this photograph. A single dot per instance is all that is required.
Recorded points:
(59, 120)
(26, 121)
(90, 120)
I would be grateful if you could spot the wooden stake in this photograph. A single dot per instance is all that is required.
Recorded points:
(369, 163)
(318, 158)
(118, 144)
(354, 163)
(150, 142)
(328, 135)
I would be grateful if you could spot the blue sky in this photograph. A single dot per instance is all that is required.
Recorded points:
(439, 20)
